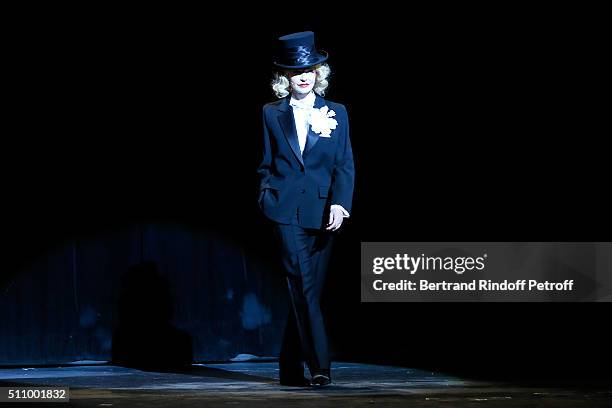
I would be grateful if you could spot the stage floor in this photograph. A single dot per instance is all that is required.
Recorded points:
(255, 384)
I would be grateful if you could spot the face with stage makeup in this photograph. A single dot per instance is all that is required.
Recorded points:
(302, 81)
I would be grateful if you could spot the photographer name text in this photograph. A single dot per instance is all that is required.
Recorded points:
(473, 285)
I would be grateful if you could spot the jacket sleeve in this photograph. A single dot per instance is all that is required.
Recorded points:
(343, 178)
(263, 171)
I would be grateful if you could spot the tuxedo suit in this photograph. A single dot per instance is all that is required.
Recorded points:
(307, 181)
(297, 189)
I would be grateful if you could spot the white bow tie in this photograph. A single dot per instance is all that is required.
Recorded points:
(307, 103)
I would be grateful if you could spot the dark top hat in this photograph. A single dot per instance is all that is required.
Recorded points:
(298, 50)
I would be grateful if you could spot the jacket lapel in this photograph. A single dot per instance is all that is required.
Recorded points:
(285, 118)
(313, 138)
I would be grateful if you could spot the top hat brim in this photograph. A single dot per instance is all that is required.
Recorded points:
(321, 56)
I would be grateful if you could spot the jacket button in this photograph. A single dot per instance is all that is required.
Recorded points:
(302, 191)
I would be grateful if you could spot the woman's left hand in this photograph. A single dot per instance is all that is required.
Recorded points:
(335, 219)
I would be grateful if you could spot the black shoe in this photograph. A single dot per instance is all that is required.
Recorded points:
(320, 380)
(295, 382)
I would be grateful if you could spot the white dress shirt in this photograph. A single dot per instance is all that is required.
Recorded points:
(301, 115)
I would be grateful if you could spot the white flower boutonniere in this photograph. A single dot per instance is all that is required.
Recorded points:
(322, 121)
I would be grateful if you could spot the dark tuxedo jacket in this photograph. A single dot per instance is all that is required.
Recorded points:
(308, 182)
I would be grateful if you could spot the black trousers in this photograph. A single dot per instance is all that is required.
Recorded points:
(305, 255)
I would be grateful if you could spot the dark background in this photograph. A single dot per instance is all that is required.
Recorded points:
(466, 125)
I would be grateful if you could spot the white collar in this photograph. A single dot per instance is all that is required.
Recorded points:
(306, 102)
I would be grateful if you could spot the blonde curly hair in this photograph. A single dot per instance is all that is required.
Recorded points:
(282, 86)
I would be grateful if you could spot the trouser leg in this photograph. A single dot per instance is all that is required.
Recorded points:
(313, 283)
(291, 359)
(305, 257)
